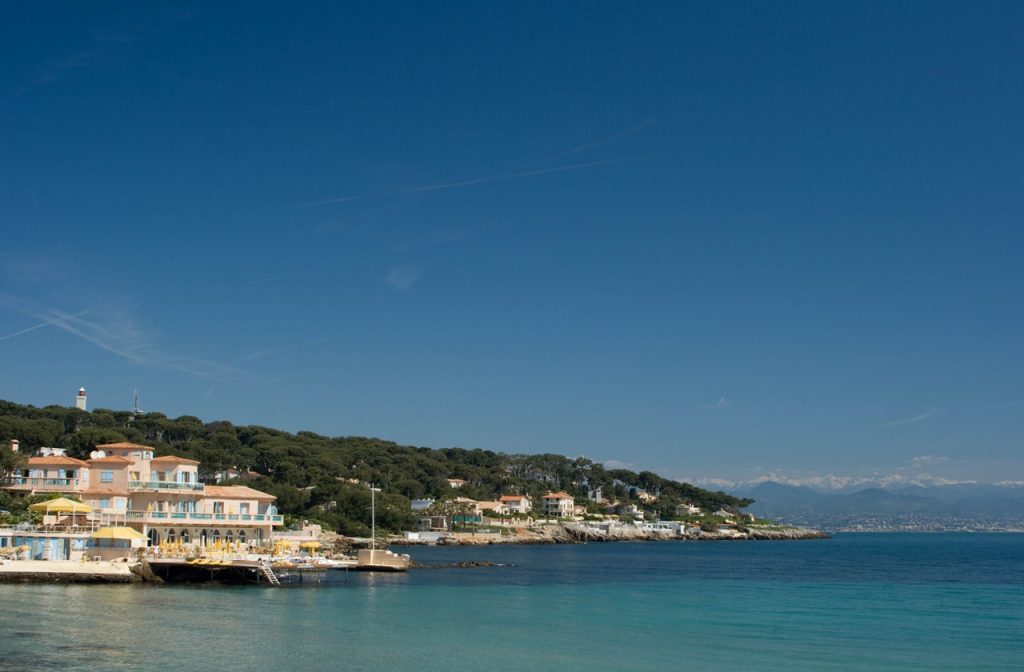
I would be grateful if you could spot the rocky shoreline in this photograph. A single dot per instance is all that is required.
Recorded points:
(575, 533)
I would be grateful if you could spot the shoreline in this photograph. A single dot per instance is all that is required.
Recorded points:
(573, 533)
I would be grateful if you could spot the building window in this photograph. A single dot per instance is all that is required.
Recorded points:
(170, 536)
(228, 537)
(241, 536)
(104, 503)
(184, 536)
(106, 477)
(218, 507)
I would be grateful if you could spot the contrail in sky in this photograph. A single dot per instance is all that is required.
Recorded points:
(478, 180)
(40, 326)
(618, 136)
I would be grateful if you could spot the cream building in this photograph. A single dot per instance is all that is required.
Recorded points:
(161, 497)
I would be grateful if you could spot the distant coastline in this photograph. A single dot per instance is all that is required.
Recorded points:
(576, 533)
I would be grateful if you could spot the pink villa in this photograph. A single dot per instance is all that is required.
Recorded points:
(161, 497)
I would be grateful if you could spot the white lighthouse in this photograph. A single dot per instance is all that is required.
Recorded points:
(80, 399)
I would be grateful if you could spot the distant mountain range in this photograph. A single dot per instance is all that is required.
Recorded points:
(886, 503)
(833, 483)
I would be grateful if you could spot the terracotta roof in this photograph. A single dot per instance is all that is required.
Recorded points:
(234, 492)
(512, 498)
(111, 459)
(59, 460)
(123, 445)
(558, 495)
(175, 459)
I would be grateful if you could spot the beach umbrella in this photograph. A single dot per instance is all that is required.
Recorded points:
(122, 533)
(61, 505)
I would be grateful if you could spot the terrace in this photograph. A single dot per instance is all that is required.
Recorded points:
(165, 486)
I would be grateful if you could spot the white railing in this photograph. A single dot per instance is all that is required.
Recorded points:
(165, 485)
(53, 484)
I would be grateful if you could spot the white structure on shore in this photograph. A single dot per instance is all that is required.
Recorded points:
(80, 399)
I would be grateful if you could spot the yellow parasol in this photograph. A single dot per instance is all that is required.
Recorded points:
(61, 505)
(123, 533)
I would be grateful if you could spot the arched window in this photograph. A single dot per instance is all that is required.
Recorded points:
(229, 537)
(170, 536)
(241, 536)
(184, 536)
(216, 535)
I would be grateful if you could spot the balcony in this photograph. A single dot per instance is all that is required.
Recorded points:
(180, 517)
(164, 486)
(40, 484)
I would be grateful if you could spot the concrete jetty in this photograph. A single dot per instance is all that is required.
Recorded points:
(66, 571)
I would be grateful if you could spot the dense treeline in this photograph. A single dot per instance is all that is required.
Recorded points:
(323, 478)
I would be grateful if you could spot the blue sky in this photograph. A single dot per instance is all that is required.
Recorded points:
(708, 239)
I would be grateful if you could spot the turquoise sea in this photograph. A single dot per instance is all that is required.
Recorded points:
(856, 602)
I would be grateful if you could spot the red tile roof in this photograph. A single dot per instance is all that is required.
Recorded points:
(175, 459)
(57, 460)
(123, 445)
(111, 459)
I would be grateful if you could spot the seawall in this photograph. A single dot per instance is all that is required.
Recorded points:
(65, 571)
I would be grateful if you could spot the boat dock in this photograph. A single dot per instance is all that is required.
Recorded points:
(200, 570)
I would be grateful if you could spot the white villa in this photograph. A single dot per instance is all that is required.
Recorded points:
(558, 504)
(516, 503)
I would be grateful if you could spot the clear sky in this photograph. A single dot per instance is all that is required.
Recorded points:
(708, 239)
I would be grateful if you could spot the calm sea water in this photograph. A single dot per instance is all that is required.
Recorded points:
(856, 602)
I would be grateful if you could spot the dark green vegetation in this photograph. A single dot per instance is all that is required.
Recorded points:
(324, 479)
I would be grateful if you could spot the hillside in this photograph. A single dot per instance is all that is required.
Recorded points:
(323, 478)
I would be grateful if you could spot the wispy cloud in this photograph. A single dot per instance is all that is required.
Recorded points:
(269, 352)
(471, 182)
(31, 268)
(38, 326)
(718, 405)
(120, 335)
(920, 417)
(927, 461)
(403, 277)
